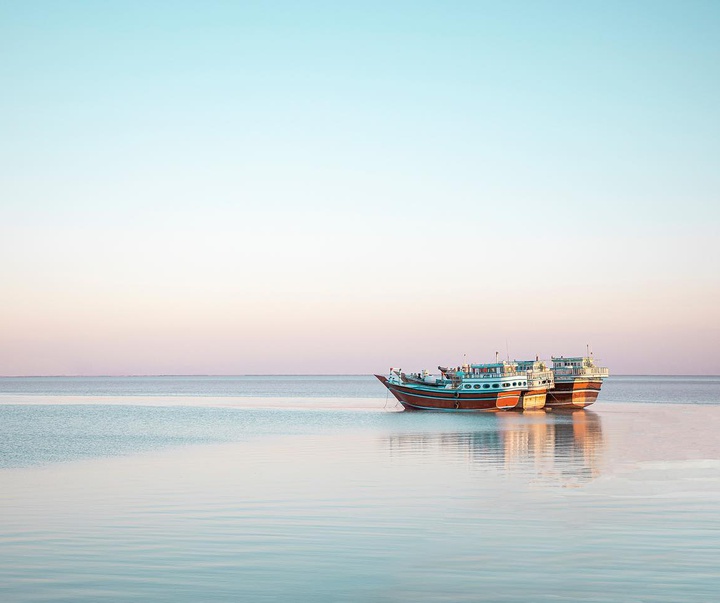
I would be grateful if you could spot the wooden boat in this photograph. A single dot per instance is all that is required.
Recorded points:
(469, 388)
(540, 380)
(577, 382)
(525, 384)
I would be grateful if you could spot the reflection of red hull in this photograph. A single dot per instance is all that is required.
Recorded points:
(573, 394)
(425, 398)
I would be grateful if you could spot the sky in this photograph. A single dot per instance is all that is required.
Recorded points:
(340, 187)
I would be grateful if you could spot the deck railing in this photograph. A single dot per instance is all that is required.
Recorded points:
(490, 375)
(540, 377)
(594, 371)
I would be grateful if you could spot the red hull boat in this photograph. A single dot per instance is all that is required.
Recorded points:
(525, 384)
(577, 382)
(476, 388)
(417, 397)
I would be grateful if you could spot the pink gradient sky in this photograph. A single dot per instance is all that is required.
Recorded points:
(186, 294)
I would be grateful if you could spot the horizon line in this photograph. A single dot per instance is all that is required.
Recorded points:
(72, 376)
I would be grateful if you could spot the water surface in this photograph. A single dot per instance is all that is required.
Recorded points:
(165, 493)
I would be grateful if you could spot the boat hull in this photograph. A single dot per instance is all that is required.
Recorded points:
(425, 398)
(573, 394)
(533, 399)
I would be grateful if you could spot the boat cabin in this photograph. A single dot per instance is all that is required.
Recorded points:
(492, 369)
(531, 365)
(577, 366)
(573, 362)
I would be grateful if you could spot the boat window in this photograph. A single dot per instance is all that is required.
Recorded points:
(524, 383)
(514, 383)
(486, 385)
(468, 386)
(495, 385)
(476, 386)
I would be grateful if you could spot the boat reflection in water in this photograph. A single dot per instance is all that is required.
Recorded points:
(564, 448)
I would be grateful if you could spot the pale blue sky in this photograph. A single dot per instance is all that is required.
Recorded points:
(217, 157)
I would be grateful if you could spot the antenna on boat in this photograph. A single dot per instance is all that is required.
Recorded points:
(507, 350)
(497, 355)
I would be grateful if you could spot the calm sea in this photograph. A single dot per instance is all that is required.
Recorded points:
(189, 489)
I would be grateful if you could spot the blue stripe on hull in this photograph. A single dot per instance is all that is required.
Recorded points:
(461, 398)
